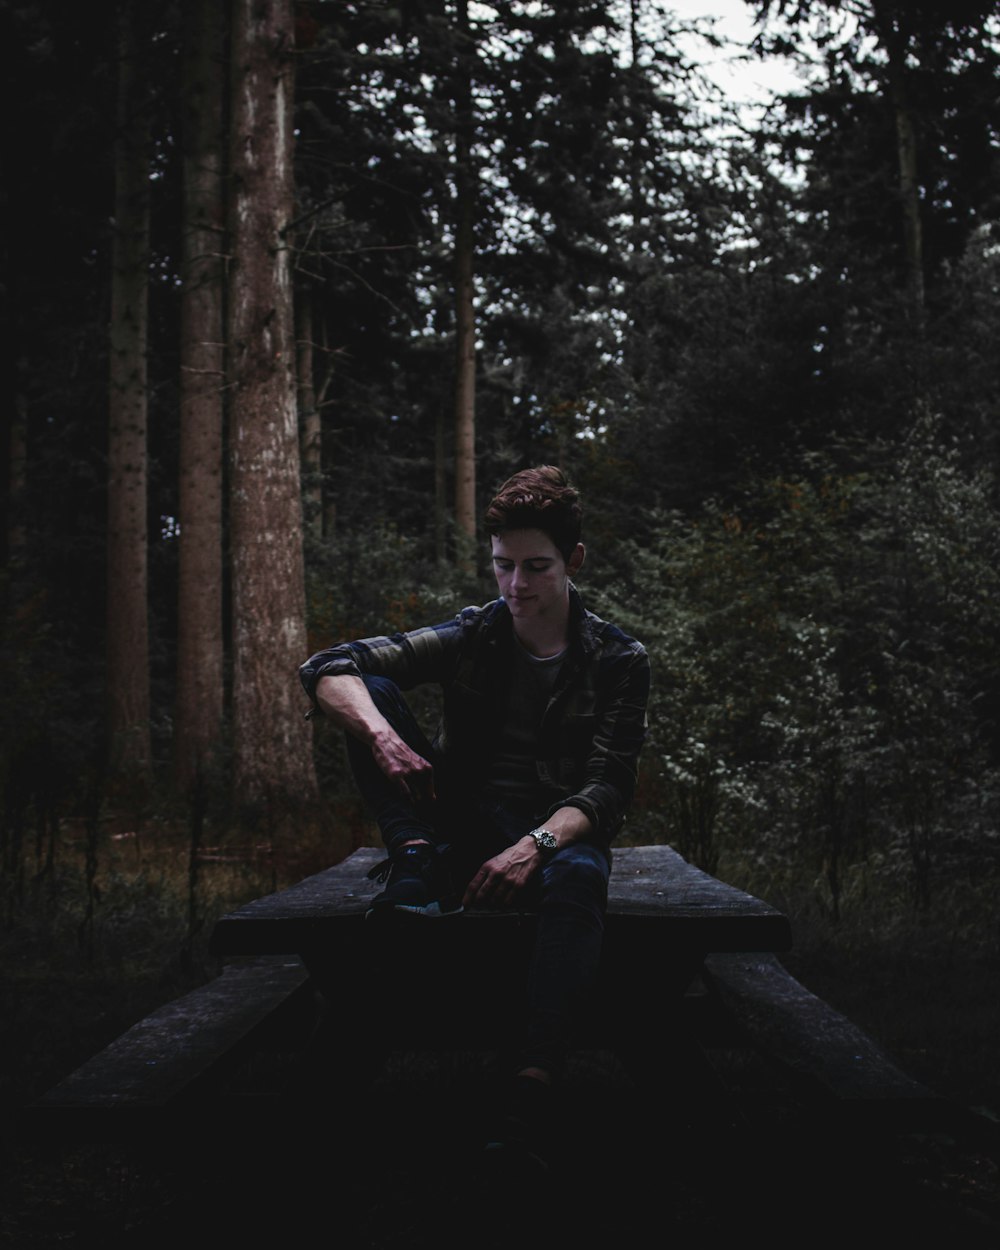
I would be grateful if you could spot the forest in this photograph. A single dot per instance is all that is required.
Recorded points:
(293, 287)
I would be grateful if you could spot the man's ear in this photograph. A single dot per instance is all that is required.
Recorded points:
(576, 559)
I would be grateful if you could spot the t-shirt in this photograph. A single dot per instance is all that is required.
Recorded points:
(512, 770)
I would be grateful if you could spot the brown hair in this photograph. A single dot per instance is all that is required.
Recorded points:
(538, 499)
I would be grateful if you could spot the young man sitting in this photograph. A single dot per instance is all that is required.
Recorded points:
(517, 800)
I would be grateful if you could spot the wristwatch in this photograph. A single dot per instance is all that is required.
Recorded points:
(545, 840)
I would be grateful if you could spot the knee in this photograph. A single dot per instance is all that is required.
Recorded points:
(576, 877)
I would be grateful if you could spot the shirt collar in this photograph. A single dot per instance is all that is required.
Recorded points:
(498, 619)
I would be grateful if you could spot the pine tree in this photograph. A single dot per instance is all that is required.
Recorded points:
(127, 622)
(200, 666)
(273, 766)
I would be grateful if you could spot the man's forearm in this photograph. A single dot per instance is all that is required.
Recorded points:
(498, 881)
(346, 702)
(569, 824)
(345, 699)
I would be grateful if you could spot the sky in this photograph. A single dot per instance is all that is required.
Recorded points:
(752, 82)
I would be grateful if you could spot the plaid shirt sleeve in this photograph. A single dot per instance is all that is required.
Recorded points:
(421, 655)
(611, 767)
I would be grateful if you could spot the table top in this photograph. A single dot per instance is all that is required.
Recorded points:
(654, 895)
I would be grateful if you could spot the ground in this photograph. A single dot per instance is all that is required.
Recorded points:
(702, 1146)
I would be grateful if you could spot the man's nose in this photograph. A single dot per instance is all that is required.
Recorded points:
(518, 579)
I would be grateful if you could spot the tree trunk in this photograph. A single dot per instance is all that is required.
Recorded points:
(893, 39)
(329, 522)
(16, 481)
(440, 490)
(200, 667)
(273, 764)
(311, 428)
(909, 190)
(465, 317)
(127, 623)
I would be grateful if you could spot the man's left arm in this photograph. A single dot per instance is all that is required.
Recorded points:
(595, 811)
(499, 881)
(610, 770)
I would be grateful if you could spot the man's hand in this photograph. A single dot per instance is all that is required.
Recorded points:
(408, 771)
(498, 882)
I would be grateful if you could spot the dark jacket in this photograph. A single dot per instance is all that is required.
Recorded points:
(594, 724)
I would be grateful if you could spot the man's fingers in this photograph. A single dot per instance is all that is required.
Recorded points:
(490, 888)
(473, 888)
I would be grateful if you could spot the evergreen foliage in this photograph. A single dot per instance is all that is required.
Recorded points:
(675, 312)
(826, 670)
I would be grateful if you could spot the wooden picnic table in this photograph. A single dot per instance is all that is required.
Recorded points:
(655, 897)
(664, 917)
(452, 984)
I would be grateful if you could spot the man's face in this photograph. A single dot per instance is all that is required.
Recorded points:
(531, 573)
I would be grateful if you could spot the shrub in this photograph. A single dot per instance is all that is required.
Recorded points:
(824, 661)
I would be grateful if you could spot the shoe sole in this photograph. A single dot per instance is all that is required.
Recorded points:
(432, 911)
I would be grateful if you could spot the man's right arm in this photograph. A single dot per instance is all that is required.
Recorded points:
(333, 680)
(345, 700)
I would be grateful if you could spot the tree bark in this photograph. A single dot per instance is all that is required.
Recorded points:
(200, 667)
(127, 623)
(440, 488)
(909, 188)
(273, 764)
(311, 427)
(885, 21)
(17, 476)
(465, 317)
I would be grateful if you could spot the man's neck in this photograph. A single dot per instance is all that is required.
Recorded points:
(546, 636)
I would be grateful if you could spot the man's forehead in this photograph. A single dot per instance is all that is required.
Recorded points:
(526, 544)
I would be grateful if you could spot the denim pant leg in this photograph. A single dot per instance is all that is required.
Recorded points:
(571, 900)
(571, 897)
(564, 966)
(399, 818)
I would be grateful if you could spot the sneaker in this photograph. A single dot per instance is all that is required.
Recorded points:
(418, 884)
(518, 1143)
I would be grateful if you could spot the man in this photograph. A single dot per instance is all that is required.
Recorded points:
(516, 802)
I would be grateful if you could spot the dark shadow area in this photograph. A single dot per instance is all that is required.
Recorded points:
(691, 1139)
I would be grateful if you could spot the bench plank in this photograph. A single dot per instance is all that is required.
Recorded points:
(804, 1034)
(170, 1054)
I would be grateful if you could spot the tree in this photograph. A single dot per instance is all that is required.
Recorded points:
(200, 667)
(933, 113)
(128, 629)
(309, 418)
(273, 767)
(465, 317)
(531, 167)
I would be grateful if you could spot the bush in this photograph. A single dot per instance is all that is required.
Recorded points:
(824, 662)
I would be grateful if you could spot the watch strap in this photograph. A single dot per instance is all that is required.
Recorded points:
(544, 839)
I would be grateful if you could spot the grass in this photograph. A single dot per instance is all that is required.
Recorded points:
(83, 956)
(922, 981)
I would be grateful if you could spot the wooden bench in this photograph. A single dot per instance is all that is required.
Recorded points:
(826, 1057)
(179, 1057)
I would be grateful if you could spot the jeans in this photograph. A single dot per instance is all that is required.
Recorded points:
(569, 895)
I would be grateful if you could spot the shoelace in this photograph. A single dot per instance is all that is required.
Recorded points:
(381, 871)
